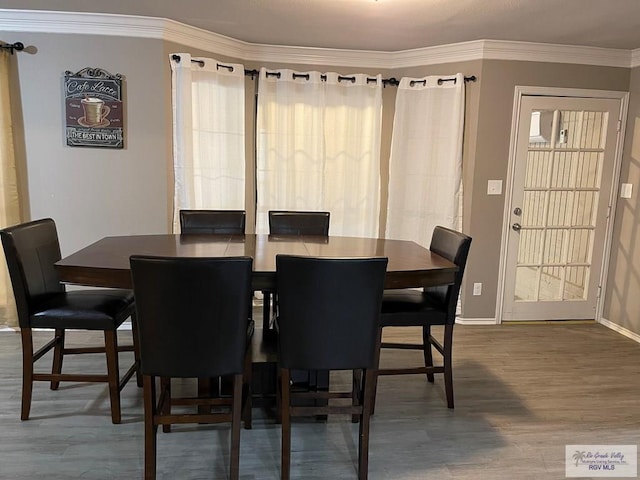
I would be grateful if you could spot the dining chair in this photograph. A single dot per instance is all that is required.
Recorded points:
(289, 222)
(194, 321)
(31, 250)
(329, 320)
(212, 222)
(431, 306)
(230, 222)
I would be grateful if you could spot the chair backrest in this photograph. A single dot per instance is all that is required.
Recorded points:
(454, 246)
(192, 314)
(284, 222)
(31, 249)
(229, 222)
(329, 311)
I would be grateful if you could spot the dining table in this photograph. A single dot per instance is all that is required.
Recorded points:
(105, 263)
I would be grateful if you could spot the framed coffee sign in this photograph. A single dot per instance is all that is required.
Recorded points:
(93, 108)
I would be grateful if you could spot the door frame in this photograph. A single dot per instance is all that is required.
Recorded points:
(519, 92)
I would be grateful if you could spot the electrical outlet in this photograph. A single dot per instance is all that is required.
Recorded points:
(477, 288)
(494, 187)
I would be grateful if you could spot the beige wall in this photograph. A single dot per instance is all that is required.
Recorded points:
(96, 192)
(622, 295)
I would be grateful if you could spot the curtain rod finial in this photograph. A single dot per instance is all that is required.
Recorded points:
(17, 46)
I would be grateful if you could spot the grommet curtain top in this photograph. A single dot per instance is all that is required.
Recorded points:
(306, 75)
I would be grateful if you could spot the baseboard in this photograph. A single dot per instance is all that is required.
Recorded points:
(476, 321)
(621, 330)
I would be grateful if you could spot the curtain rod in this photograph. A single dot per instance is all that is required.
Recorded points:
(18, 46)
(385, 81)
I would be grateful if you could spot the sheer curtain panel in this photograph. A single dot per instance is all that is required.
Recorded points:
(9, 200)
(425, 170)
(353, 123)
(208, 134)
(318, 148)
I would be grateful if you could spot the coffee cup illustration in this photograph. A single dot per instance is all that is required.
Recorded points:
(95, 111)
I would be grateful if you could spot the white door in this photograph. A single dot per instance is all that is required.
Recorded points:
(565, 158)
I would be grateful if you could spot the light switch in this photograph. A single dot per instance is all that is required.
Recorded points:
(625, 190)
(494, 187)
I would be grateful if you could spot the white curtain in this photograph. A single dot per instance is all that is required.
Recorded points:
(9, 199)
(208, 134)
(318, 148)
(425, 171)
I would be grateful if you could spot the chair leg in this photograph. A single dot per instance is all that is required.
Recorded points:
(236, 418)
(246, 390)
(136, 348)
(374, 382)
(274, 311)
(27, 372)
(285, 404)
(356, 398)
(58, 354)
(113, 372)
(320, 379)
(207, 388)
(278, 398)
(448, 367)
(367, 394)
(165, 392)
(266, 311)
(150, 427)
(426, 349)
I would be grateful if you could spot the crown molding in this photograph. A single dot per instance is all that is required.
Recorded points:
(546, 52)
(202, 39)
(39, 21)
(635, 58)
(455, 52)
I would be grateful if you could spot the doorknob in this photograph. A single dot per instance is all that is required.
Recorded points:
(516, 227)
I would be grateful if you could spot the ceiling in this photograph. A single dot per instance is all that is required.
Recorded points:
(385, 25)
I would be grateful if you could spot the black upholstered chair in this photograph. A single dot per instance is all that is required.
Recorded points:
(329, 320)
(432, 306)
(31, 249)
(194, 322)
(212, 222)
(230, 222)
(288, 222)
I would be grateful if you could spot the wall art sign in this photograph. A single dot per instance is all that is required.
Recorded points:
(93, 108)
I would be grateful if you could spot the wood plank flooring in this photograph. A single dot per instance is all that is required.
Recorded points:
(522, 393)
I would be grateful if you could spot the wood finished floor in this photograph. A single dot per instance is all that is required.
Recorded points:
(522, 393)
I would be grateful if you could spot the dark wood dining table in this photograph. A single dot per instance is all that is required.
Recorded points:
(105, 263)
